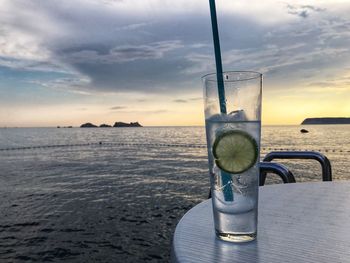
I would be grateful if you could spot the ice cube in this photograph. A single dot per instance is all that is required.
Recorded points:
(237, 115)
(233, 116)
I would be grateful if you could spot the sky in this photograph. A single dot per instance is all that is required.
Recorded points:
(65, 62)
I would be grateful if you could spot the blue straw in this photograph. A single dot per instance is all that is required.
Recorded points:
(219, 75)
(225, 177)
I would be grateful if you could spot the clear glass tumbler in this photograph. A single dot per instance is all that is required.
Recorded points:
(233, 140)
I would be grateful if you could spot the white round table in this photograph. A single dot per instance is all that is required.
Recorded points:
(301, 222)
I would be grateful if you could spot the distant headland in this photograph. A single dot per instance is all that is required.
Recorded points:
(117, 125)
(341, 120)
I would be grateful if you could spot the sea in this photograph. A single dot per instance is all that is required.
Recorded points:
(116, 194)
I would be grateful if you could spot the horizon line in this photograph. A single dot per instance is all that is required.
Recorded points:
(144, 126)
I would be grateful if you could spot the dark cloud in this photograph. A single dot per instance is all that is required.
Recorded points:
(118, 51)
(187, 100)
(303, 14)
(121, 54)
(313, 8)
(148, 76)
(103, 48)
(303, 11)
(180, 101)
(294, 11)
(118, 108)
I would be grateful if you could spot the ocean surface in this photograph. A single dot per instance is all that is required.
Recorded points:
(116, 194)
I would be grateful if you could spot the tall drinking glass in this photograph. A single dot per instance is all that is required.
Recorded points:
(233, 140)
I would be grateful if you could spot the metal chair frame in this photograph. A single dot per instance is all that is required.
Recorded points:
(276, 168)
(322, 159)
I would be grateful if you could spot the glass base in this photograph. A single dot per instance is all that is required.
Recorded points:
(236, 238)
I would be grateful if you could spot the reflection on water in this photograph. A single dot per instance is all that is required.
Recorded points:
(117, 203)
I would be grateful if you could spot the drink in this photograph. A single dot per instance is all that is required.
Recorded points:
(233, 141)
(239, 216)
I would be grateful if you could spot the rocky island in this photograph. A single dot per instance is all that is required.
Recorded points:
(117, 125)
(341, 120)
(123, 124)
(88, 125)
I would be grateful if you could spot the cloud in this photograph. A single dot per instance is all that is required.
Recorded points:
(313, 8)
(322, 84)
(157, 46)
(108, 2)
(118, 108)
(187, 100)
(303, 11)
(121, 54)
(72, 85)
(180, 101)
(340, 82)
(31, 65)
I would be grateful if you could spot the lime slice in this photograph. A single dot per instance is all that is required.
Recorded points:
(235, 151)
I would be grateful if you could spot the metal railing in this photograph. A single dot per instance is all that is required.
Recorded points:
(322, 159)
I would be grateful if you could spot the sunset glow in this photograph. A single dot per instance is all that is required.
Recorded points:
(142, 61)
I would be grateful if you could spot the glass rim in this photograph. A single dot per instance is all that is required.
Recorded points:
(257, 75)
